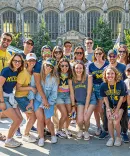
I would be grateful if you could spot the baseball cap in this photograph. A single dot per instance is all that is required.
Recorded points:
(28, 39)
(31, 56)
(112, 51)
(51, 61)
(128, 66)
(46, 47)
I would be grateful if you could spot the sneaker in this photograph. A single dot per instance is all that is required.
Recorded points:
(103, 135)
(53, 139)
(18, 133)
(110, 142)
(33, 129)
(12, 143)
(29, 138)
(80, 134)
(125, 137)
(41, 142)
(47, 133)
(18, 141)
(68, 133)
(61, 134)
(86, 136)
(98, 131)
(117, 142)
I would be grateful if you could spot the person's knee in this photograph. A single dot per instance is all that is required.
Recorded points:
(80, 121)
(17, 121)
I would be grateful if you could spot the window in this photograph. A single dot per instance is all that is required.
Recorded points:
(92, 19)
(115, 20)
(30, 23)
(0, 25)
(72, 21)
(9, 22)
(51, 19)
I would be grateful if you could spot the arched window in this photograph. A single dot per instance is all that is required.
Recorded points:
(51, 19)
(115, 20)
(30, 23)
(9, 21)
(72, 21)
(92, 19)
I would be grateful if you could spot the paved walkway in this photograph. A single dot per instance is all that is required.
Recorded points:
(64, 147)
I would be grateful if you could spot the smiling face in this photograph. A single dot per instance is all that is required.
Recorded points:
(31, 63)
(48, 68)
(89, 44)
(79, 54)
(28, 46)
(79, 69)
(16, 62)
(110, 75)
(122, 53)
(64, 67)
(5, 41)
(46, 53)
(112, 58)
(98, 54)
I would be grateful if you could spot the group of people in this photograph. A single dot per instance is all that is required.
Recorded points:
(62, 86)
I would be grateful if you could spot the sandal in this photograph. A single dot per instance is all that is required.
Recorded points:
(2, 137)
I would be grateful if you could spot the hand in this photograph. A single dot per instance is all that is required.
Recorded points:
(2, 106)
(85, 110)
(30, 105)
(46, 105)
(109, 115)
(34, 90)
(116, 114)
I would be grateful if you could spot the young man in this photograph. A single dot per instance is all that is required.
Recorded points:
(5, 41)
(89, 53)
(68, 50)
(28, 46)
(112, 58)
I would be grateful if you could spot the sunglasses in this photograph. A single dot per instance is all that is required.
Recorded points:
(29, 43)
(6, 39)
(112, 56)
(62, 66)
(17, 61)
(46, 52)
(89, 43)
(98, 53)
(48, 65)
(78, 53)
(128, 70)
(122, 51)
(58, 52)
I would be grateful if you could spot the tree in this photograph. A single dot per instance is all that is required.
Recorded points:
(127, 38)
(103, 36)
(17, 40)
(41, 38)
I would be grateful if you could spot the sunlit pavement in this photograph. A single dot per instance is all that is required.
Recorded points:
(64, 147)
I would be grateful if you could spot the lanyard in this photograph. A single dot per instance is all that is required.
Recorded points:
(112, 96)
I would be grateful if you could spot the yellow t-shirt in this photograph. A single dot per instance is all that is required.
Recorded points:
(24, 79)
(4, 58)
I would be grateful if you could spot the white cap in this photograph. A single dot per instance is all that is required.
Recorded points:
(31, 56)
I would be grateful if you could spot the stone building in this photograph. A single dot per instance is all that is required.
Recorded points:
(65, 19)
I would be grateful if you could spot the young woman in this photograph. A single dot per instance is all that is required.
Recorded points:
(65, 96)
(84, 98)
(22, 90)
(57, 53)
(113, 90)
(96, 69)
(44, 112)
(79, 55)
(8, 80)
(123, 54)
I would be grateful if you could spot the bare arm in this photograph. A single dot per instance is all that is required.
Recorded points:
(2, 81)
(71, 92)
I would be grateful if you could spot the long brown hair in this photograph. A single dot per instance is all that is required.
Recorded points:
(55, 48)
(22, 62)
(83, 76)
(99, 49)
(127, 57)
(69, 69)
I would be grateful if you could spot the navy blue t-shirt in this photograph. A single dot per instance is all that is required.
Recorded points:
(11, 79)
(113, 98)
(80, 91)
(97, 72)
(121, 68)
(37, 67)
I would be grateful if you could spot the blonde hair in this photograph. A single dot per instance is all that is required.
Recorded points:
(83, 77)
(118, 75)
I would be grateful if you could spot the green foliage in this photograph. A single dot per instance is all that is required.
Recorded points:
(127, 38)
(41, 38)
(17, 41)
(103, 36)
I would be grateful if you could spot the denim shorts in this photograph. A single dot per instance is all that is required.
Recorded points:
(93, 101)
(48, 112)
(22, 103)
(96, 90)
(7, 103)
(63, 98)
